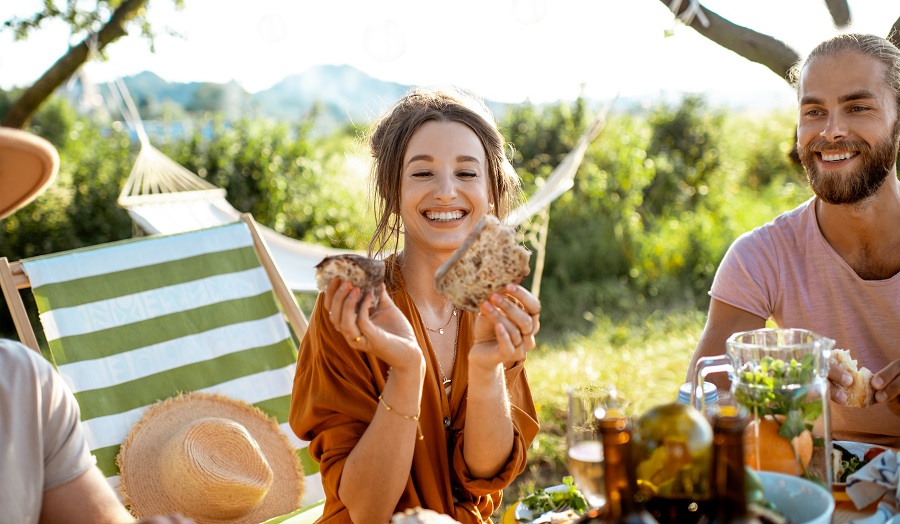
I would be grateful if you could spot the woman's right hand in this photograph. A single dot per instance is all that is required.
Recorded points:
(384, 332)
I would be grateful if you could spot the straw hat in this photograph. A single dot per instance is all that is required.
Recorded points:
(28, 163)
(211, 458)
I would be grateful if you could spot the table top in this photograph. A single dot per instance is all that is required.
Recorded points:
(844, 512)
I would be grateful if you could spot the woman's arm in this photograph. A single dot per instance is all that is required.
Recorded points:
(504, 333)
(377, 469)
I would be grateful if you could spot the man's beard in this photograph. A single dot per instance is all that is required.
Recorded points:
(844, 187)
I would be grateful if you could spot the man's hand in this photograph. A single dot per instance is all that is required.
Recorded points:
(887, 386)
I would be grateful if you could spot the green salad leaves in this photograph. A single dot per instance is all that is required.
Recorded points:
(542, 500)
(770, 390)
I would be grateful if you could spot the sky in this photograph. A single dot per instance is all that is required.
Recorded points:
(504, 50)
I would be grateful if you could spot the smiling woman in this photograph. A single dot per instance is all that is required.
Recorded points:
(428, 398)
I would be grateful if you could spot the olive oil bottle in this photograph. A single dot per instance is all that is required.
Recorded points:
(674, 461)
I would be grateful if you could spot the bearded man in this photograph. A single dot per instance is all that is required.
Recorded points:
(832, 265)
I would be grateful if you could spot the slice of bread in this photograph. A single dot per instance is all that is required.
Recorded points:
(488, 260)
(363, 272)
(860, 393)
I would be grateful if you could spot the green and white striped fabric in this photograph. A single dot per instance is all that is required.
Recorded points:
(133, 322)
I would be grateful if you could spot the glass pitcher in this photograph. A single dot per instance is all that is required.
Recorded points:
(780, 376)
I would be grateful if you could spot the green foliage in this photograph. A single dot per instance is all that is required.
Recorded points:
(657, 201)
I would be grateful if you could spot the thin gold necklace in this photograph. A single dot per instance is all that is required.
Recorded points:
(447, 382)
(440, 330)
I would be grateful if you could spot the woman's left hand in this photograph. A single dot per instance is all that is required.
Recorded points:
(505, 330)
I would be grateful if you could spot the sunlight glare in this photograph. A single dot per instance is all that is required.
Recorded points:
(384, 40)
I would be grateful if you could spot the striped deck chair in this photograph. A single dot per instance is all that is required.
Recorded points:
(133, 322)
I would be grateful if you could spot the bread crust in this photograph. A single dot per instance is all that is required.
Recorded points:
(363, 272)
(860, 393)
(488, 260)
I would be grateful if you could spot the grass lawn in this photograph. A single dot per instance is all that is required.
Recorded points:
(645, 355)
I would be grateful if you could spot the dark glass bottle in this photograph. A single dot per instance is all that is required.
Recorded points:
(729, 486)
(623, 506)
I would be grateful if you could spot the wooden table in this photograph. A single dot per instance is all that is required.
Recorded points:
(844, 512)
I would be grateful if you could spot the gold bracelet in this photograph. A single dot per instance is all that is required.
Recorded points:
(414, 418)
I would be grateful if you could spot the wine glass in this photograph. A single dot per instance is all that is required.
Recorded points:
(584, 446)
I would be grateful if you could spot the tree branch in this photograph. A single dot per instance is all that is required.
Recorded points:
(21, 111)
(894, 34)
(840, 12)
(756, 47)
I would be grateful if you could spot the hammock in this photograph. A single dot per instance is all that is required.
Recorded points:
(162, 196)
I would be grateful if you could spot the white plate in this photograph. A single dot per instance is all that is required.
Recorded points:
(857, 448)
(523, 514)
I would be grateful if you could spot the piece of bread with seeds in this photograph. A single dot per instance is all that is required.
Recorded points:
(860, 393)
(488, 260)
(363, 272)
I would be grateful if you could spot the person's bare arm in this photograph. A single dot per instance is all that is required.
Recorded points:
(723, 321)
(89, 499)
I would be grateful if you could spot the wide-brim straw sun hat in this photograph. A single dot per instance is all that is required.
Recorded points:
(28, 164)
(211, 458)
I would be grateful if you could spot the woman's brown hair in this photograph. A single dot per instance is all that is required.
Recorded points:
(390, 138)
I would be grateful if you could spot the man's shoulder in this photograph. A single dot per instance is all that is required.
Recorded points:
(794, 226)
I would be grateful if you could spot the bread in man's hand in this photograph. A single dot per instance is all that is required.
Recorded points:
(363, 272)
(488, 260)
(860, 393)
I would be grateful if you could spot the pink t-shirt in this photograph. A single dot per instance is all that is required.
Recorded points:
(786, 271)
(42, 444)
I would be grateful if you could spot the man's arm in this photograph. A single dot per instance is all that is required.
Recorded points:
(723, 321)
(89, 499)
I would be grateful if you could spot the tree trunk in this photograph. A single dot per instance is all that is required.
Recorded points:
(757, 47)
(840, 12)
(21, 111)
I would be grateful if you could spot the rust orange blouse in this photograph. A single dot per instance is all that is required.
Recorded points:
(335, 396)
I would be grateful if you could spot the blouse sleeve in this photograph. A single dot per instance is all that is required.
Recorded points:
(334, 396)
(525, 428)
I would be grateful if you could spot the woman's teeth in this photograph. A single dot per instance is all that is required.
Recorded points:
(444, 216)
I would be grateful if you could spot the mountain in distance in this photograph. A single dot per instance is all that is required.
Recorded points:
(346, 94)
(341, 94)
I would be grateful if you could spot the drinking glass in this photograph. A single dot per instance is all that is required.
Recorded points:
(588, 403)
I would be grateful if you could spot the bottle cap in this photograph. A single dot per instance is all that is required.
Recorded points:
(710, 393)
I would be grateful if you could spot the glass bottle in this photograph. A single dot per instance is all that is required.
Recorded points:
(623, 505)
(729, 486)
(674, 461)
